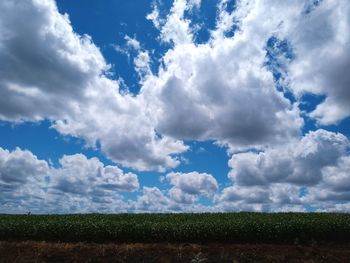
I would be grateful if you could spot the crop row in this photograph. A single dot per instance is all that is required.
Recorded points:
(220, 227)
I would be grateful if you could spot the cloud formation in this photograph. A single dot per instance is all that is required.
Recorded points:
(311, 171)
(27, 183)
(188, 187)
(48, 71)
(224, 90)
(321, 40)
(299, 162)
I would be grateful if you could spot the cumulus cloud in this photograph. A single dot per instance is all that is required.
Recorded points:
(152, 200)
(222, 90)
(29, 183)
(333, 191)
(78, 174)
(299, 162)
(321, 41)
(183, 195)
(19, 167)
(176, 29)
(45, 67)
(48, 71)
(188, 187)
(312, 171)
(219, 90)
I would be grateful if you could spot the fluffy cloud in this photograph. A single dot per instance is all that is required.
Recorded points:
(334, 188)
(29, 183)
(48, 71)
(321, 41)
(152, 200)
(219, 90)
(312, 171)
(19, 167)
(80, 175)
(45, 67)
(188, 187)
(299, 162)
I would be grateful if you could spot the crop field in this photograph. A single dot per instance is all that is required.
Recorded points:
(281, 228)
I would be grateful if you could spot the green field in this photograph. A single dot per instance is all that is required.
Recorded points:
(220, 227)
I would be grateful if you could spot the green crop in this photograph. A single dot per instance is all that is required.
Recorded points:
(216, 227)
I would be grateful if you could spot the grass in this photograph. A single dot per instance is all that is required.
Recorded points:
(281, 228)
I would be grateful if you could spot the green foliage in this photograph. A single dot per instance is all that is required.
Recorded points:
(218, 227)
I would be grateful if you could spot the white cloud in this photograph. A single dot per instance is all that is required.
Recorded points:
(312, 171)
(220, 90)
(299, 162)
(334, 188)
(152, 200)
(225, 21)
(48, 71)
(28, 183)
(19, 167)
(176, 29)
(321, 40)
(45, 67)
(78, 174)
(269, 198)
(132, 42)
(188, 187)
(154, 17)
(184, 194)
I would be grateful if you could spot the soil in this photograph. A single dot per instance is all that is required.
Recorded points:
(31, 251)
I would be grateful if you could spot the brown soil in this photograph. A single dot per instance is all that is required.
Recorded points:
(31, 251)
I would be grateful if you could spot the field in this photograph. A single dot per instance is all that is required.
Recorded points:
(281, 228)
(225, 237)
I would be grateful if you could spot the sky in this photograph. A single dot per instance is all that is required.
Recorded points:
(174, 106)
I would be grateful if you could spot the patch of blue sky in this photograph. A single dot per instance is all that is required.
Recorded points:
(203, 20)
(206, 157)
(203, 157)
(341, 127)
(206, 201)
(230, 7)
(303, 191)
(108, 22)
(47, 144)
(309, 103)
(309, 208)
(278, 53)
(44, 142)
(311, 5)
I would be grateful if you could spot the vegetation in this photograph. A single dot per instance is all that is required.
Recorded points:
(204, 228)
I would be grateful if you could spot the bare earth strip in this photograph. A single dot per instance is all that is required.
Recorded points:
(32, 251)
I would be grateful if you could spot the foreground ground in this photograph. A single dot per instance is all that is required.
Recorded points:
(221, 237)
(31, 251)
(279, 228)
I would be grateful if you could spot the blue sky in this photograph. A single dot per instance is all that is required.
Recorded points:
(174, 105)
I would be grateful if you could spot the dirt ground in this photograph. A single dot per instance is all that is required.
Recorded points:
(31, 251)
